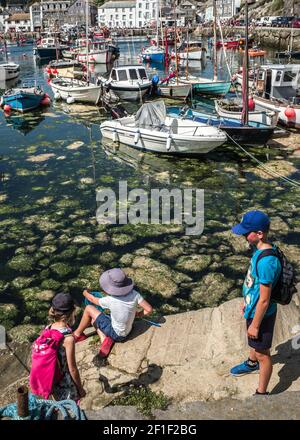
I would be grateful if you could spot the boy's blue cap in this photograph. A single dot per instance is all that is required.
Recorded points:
(252, 221)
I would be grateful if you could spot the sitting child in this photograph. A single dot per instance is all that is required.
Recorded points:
(122, 301)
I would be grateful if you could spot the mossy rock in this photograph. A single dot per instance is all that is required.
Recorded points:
(88, 277)
(48, 249)
(102, 238)
(172, 252)
(121, 239)
(211, 291)
(22, 282)
(236, 264)
(45, 295)
(50, 284)
(85, 251)
(83, 239)
(21, 263)
(25, 333)
(193, 263)
(3, 285)
(144, 252)
(126, 259)
(8, 315)
(61, 269)
(108, 257)
(70, 252)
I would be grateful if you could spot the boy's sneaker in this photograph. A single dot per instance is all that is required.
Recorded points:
(257, 393)
(244, 368)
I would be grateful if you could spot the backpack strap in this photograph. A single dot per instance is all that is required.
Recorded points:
(266, 253)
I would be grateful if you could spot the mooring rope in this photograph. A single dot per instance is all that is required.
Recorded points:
(266, 169)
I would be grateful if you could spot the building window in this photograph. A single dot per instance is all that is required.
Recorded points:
(147, 6)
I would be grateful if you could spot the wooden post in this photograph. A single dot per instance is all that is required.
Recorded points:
(22, 399)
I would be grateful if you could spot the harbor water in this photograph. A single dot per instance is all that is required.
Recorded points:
(52, 162)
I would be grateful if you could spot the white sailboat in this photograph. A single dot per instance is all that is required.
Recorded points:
(73, 90)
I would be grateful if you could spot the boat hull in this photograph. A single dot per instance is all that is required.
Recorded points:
(254, 134)
(23, 102)
(193, 55)
(154, 57)
(281, 108)
(130, 94)
(269, 118)
(9, 71)
(49, 52)
(175, 90)
(183, 145)
(218, 88)
(80, 94)
(101, 57)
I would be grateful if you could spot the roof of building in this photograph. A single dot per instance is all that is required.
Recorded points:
(119, 4)
(21, 16)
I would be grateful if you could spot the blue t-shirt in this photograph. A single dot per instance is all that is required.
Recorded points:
(269, 269)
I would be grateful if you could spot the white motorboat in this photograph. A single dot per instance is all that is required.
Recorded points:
(9, 71)
(74, 90)
(130, 83)
(233, 109)
(152, 130)
(277, 89)
(191, 50)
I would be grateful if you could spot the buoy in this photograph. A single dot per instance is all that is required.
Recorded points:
(57, 96)
(251, 104)
(290, 113)
(169, 141)
(115, 136)
(7, 108)
(137, 136)
(46, 101)
(48, 70)
(46, 95)
(70, 100)
(55, 71)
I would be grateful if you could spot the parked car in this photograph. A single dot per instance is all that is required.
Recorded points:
(282, 22)
(295, 23)
(265, 21)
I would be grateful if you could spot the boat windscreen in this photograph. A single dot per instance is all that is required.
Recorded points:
(151, 114)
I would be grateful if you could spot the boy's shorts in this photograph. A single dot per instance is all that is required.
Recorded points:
(265, 334)
(103, 323)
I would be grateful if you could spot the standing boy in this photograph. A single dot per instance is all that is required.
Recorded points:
(259, 311)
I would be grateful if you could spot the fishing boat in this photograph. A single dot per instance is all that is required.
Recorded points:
(99, 53)
(130, 83)
(153, 53)
(151, 129)
(75, 90)
(277, 90)
(66, 69)
(229, 44)
(256, 52)
(173, 87)
(9, 71)
(49, 48)
(191, 50)
(23, 98)
(252, 134)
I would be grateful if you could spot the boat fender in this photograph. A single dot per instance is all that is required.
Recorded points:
(290, 112)
(251, 104)
(168, 143)
(115, 136)
(57, 96)
(7, 108)
(155, 80)
(46, 101)
(70, 100)
(137, 136)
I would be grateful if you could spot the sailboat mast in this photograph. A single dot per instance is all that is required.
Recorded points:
(87, 38)
(175, 40)
(215, 40)
(246, 68)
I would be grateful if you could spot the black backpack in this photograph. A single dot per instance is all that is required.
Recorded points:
(285, 287)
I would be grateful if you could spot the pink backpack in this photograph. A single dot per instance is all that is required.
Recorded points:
(45, 369)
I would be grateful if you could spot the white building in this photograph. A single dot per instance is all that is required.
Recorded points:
(4, 15)
(17, 23)
(49, 13)
(117, 14)
(225, 9)
(128, 14)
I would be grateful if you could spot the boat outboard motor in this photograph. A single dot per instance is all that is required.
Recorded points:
(118, 112)
(154, 85)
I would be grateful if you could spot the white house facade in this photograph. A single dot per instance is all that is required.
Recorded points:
(225, 9)
(129, 14)
(117, 14)
(17, 23)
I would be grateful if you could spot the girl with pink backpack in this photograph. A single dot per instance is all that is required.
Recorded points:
(54, 370)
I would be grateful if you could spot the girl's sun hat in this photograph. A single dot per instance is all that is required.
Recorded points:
(115, 282)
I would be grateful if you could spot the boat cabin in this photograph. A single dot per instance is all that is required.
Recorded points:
(190, 46)
(278, 81)
(129, 73)
(48, 42)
